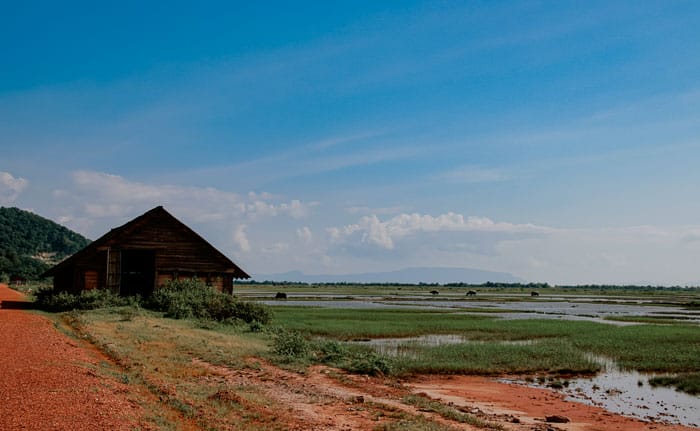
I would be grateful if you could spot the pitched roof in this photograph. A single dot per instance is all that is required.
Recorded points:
(117, 234)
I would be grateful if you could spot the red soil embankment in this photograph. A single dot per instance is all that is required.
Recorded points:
(47, 381)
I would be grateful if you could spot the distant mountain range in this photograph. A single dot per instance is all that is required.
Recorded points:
(408, 275)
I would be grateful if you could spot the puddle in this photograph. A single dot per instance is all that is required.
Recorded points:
(629, 393)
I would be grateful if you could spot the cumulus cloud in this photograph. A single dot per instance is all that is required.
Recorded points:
(241, 239)
(384, 234)
(294, 208)
(106, 195)
(10, 187)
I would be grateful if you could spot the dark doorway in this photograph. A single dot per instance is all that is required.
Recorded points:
(138, 272)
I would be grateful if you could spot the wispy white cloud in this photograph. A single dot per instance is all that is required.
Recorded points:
(384, 234)
(476, 174)
(306, 160)
(11, 187)
(365, 210)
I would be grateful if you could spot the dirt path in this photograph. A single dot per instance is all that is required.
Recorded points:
(48, 382)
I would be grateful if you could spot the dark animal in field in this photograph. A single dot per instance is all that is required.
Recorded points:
(434, 292)
(533, 293)
(281, 295)
(471, 293)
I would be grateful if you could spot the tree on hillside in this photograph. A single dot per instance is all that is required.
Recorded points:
(30, 244)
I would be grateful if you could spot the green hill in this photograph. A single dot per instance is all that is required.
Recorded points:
(30, 244)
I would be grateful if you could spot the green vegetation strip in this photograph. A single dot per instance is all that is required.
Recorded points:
(688, 382)
(552, 356)
(561, 346)
(347, 324)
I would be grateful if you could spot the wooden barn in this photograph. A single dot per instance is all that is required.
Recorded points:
(143, 254)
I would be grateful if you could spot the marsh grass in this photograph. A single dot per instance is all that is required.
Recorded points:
(562, 344)
(549, 356)
(687, 382)
(664, 348)
(347, 324)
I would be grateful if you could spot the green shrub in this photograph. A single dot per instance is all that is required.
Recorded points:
(192, 299)
(331, 351)
(371, 364)
(49, 300)
(256, 326)
(291, 345)
(130, 313)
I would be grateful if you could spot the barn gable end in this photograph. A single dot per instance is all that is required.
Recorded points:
(143, 254)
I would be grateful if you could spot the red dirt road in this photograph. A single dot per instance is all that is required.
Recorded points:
(47, 381)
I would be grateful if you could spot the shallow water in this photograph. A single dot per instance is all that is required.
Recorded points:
(567, 310)
(629, 393)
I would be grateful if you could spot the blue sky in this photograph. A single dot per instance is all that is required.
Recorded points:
(557, 141)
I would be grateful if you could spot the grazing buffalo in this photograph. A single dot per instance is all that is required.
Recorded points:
(533, 293)
(281, 295)
(434, 292)
(471, 293)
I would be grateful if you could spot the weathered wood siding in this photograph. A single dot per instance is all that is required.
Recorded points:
(177, 247)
